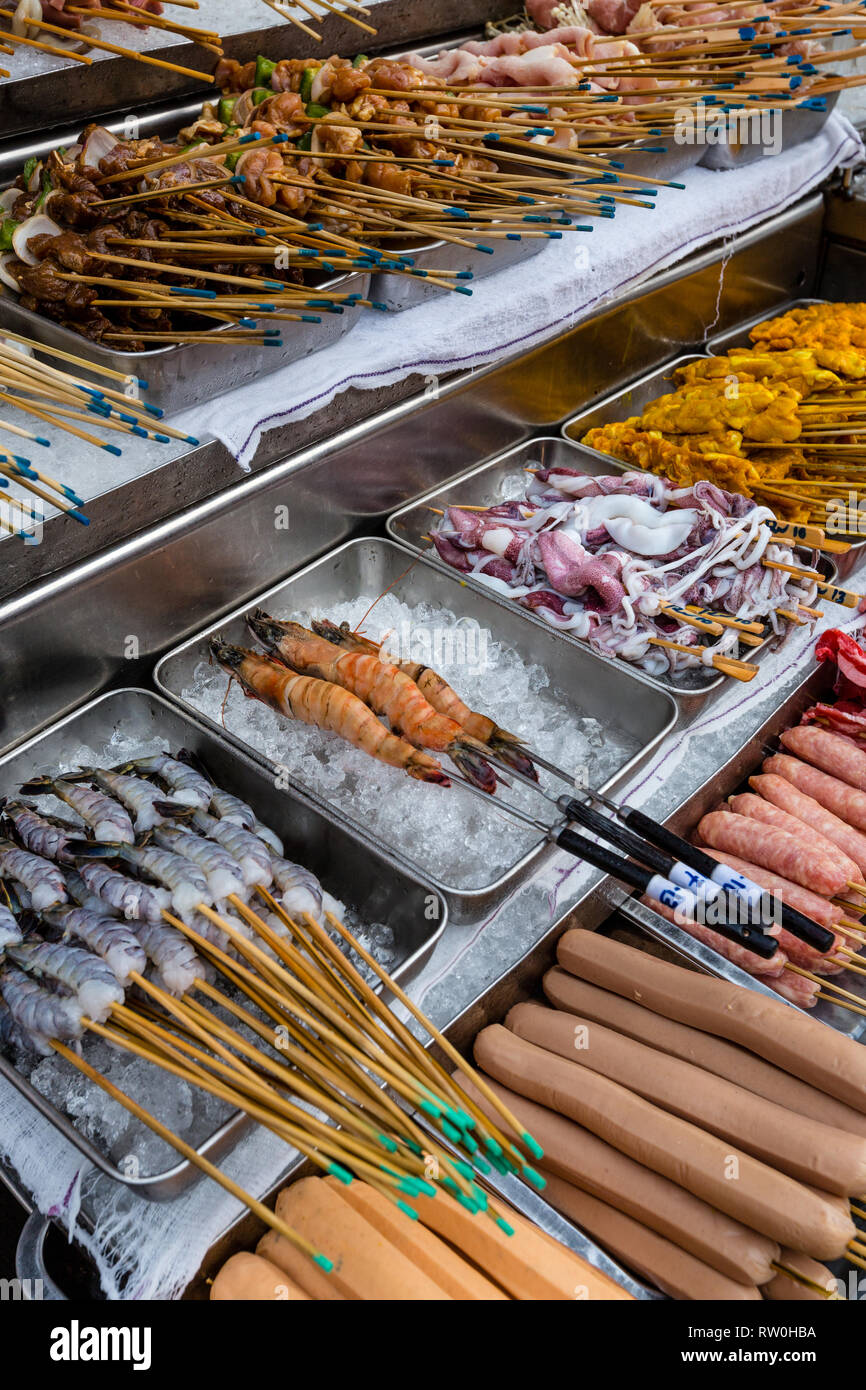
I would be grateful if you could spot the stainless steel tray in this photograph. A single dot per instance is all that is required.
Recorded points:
(401, 292)
(366, 879)
(798, 124)
(186, 373)
(601, 688)
(503, 477)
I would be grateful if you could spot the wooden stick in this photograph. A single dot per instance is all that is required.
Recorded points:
(257, 1208)
(122, 52)
(9, 37)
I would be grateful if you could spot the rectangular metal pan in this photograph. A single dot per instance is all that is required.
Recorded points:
(186, 373)
(504, 477)
(601, 688)
(370, 881)
(798, 124)
(631, 921)
(399, 292)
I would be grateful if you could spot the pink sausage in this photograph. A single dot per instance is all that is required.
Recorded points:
(821, 911)
(814, 816)
(775, 850)
(756, 808)
(844, 801)
(838, 756)
(730, 950)
(796, 989)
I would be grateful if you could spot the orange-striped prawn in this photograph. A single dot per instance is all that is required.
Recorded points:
(507, 747)
(326, 706)
(387, 690)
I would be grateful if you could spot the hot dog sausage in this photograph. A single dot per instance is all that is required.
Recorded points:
(587, 1162)
(775, 850)
(838, 756)
(837, 796)
(299, 1266)
(830, 1159)
(713, 1054)
(248, 1278)
(785, 795)
(779, 1034)
(787, 1290)
(426, 1251)
(756, 808)
(766, 1200)
(366, 1265)
(674, 1271)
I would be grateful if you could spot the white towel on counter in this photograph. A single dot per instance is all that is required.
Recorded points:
(514, 310)
(146, 1250)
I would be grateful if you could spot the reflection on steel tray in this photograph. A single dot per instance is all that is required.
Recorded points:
(584, 683)
(369, 881)
(504, 477)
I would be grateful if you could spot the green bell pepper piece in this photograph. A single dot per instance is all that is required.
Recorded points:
(225, 108)
(7, 227)
(264, 71)
(307, 78)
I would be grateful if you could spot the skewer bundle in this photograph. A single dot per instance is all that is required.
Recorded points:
(46, 393)
(292, 1032)
(34, 25)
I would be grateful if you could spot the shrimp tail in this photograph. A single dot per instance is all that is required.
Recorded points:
(90, 849)
(508, 750)
(422, 772)
(466, 756)
(36, 786)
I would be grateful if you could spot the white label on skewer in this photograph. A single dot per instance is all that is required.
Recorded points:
(732, 882)
(667, 893)
(131, 388)
(702, 887)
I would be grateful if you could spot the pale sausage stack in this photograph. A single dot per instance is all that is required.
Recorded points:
(383, 1255)
(707, 1136)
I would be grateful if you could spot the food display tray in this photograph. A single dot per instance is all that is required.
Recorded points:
(600, 688)
(367, 879)
(798, 124)
(503, 477)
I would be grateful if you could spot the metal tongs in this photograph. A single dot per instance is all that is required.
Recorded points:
(669, 870)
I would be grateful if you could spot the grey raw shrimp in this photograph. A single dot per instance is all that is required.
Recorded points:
(39, 1013)
(88, 977)
(42, 879)
(106, 817)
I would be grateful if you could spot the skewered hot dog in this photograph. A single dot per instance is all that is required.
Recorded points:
(774, 849)
(837, 756)
(768, 1201)
(426, 1251)
(587, 1162)
(837, 796)
(804, 1149)
(791, 1039)
(768, 813)
(784, 794)
(689, 1044)
(787, 1290)
(249, 1278)
(673, 1270)
(366, 1266)
(314, 1281)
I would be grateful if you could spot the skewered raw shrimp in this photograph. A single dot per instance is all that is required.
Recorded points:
(387, 690)
(441, 696)
(10, 932)
(106, 818)
(116, 943)
(251, 853)
(39, 833)
(325, 706)
(178, 965)
(88, 977)
(188, 785)
(184, 880)
(270, 837)
(222, 871)
(140, 902)
(39, 1013)
(141, 798)
(42, 879)
(300, 890)
(228, 807)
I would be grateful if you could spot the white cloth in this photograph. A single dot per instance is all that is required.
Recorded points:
(145, 1250)
(514, 310)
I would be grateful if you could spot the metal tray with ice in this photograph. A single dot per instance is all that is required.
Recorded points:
(590, 716)
(401, 916)
(504, 477)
